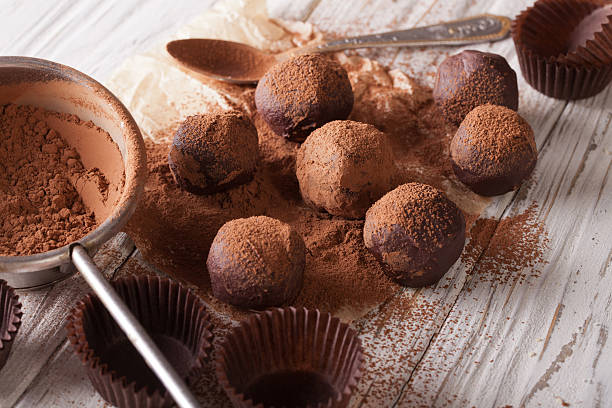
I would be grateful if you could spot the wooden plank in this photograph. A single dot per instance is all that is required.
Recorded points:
(544, 343)
(297, 10)
(415, 316)
(91, 36)
(561, 345)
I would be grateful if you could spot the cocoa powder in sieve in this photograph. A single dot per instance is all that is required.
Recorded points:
(41, 208)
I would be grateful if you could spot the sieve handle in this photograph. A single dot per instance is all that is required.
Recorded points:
(133, 329)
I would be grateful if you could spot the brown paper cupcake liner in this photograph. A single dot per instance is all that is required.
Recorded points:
(562, 80)
(290, 357)
(596, 51)
(10, 320)
(541, 35)
(174, 317)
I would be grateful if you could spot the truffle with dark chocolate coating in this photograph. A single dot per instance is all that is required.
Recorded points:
(303, 93)
(214, 152)
(416, 233)
(493, 151)
(256, 262)
(344, 167)
(473, 78)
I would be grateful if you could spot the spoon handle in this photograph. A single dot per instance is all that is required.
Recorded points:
(482, 28)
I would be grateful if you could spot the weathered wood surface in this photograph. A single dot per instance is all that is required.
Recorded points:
(483, 343)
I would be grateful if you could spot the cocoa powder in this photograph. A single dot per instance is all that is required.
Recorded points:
(174, 229)
(41, 207)
(507, 250)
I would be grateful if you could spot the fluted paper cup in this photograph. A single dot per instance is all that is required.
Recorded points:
(10, 320)
(552, 59)
(174, 317)
(290, 357)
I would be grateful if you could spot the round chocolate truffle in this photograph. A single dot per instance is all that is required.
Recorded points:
(344, 167)
(493, 151)
(416, 233)
(303, 93)
(473, 78)
(214, 152)
(256, 262)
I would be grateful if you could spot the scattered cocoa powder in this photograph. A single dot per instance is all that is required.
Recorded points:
(172, 228)
(41, 209)
(507, 250)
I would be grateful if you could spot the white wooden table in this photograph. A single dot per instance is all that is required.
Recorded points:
(489, 344)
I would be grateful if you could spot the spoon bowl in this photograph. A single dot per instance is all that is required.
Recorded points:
(228, 61)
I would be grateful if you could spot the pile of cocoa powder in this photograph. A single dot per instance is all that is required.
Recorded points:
(174, 229)
(40, 205)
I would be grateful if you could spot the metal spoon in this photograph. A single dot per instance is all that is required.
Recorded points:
(242, 64)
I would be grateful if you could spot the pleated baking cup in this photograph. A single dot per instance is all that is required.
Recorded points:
(288, 357)
(174, 317)
(10, 320)
(597, 48)
(542, 37)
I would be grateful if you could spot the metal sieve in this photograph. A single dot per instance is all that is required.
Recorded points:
(55, 87)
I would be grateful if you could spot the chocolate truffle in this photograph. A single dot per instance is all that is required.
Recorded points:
(472, 78)
(214, 152)
(416, 233)
(344, 167)
(494, 150)
(303, 93)
(256, 262)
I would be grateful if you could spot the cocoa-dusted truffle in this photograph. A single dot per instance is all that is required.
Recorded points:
(344, 167)
(303, 93)
(472, 78)
(416, 233)
(256, 262)
(214, 152)
(494, 150)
